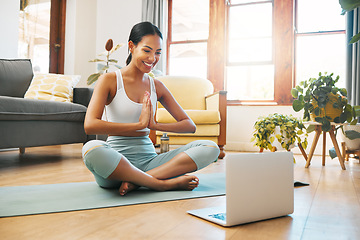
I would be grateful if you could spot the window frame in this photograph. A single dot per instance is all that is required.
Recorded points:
(57, 36)
(301, 34)
(169, 40)
(283, 49)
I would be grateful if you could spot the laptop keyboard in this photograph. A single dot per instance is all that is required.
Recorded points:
(221, 216)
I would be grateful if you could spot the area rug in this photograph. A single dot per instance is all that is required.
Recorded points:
(40, 199)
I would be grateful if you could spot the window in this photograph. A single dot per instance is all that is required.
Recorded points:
(249, 69)
(187, 37)
(320, 39)
(34, 33)
(42, 34)
(254, 46)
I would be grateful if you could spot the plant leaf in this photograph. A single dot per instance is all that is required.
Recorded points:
(294, 92)
(355, 38)
(100, 66)
(310, 128)
(297, 105)
(326, 125)
(93, 78)
(97, 60)
(332, 153)
(357, 111)
(349, 5)
(116, 47)
(351, 134)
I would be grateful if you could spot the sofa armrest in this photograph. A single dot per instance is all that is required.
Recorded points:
(218, 101)
(82, 95)
(213, 100)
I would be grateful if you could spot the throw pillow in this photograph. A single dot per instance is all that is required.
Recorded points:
(55, 87)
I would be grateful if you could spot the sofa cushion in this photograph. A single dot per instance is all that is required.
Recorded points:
(17, 109)
(15, 77)
(54, 87)
(201, 117)
(201, 130)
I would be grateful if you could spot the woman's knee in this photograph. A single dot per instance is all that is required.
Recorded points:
(100, 158)
(203, 152)
(92, 144)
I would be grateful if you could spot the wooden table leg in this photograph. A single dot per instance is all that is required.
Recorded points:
(302, 151)
(313, 146)
(337, 149)
(324, 148)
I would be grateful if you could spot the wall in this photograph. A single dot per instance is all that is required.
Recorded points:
(9, 28)
(89, 24)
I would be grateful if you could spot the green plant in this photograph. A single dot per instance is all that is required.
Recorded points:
(348, 5)
(103, 68)
(291, 130)
(319, 96)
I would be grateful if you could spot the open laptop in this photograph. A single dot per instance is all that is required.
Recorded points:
(259, 186)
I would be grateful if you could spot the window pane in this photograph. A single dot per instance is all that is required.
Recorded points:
(250, 82)
(250, 33)
(34, 33)
(188, 59)
(319, 15)
(320, 53)
(250, 50)
(190, 20)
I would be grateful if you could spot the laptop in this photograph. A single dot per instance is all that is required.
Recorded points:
(259, 186)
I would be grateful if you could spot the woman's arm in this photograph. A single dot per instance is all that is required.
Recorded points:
(183, 123)
(103, 94)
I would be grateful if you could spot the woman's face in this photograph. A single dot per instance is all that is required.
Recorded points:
(146, 53)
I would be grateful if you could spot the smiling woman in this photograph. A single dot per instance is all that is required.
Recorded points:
(129, 96)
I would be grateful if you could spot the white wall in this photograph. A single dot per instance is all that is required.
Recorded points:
(89, 24)
(9, 28)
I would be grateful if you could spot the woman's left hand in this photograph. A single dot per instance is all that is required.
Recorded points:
(152, 122)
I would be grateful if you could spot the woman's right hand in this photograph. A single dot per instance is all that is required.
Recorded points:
(145, 111)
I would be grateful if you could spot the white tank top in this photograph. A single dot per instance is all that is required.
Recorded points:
(122, 109)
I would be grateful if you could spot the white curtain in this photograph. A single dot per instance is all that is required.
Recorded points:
(153, 11)
(353, 58)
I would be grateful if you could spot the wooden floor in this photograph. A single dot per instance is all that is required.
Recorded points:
(327, 209)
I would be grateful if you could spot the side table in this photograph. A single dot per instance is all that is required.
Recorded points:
(318, 131)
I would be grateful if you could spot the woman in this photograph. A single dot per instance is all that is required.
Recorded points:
(129, 97)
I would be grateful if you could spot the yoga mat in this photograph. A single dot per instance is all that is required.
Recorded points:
(39, 199)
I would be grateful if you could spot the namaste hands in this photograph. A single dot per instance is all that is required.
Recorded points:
(147, 113)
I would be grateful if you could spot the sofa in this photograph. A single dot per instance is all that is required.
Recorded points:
(205, 107)
(32, 122)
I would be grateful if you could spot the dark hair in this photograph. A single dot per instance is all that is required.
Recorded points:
(139, 31)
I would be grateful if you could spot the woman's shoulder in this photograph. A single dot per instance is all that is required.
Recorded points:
(107, 79)
(107, 83)
(158, 83)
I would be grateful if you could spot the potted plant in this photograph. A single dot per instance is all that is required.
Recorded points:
(103, 68)
(323, 102)
(277, 130)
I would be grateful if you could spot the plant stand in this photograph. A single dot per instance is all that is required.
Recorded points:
(346, 152)
(318, 131)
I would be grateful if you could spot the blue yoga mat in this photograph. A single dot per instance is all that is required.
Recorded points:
(51, 198)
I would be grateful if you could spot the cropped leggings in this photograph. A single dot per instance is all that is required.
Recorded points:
(101, 157)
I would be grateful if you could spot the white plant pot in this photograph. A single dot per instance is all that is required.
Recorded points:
(276, 142)
(351, 144)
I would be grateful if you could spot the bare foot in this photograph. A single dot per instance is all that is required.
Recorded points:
(185, 182)
(127, 187)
